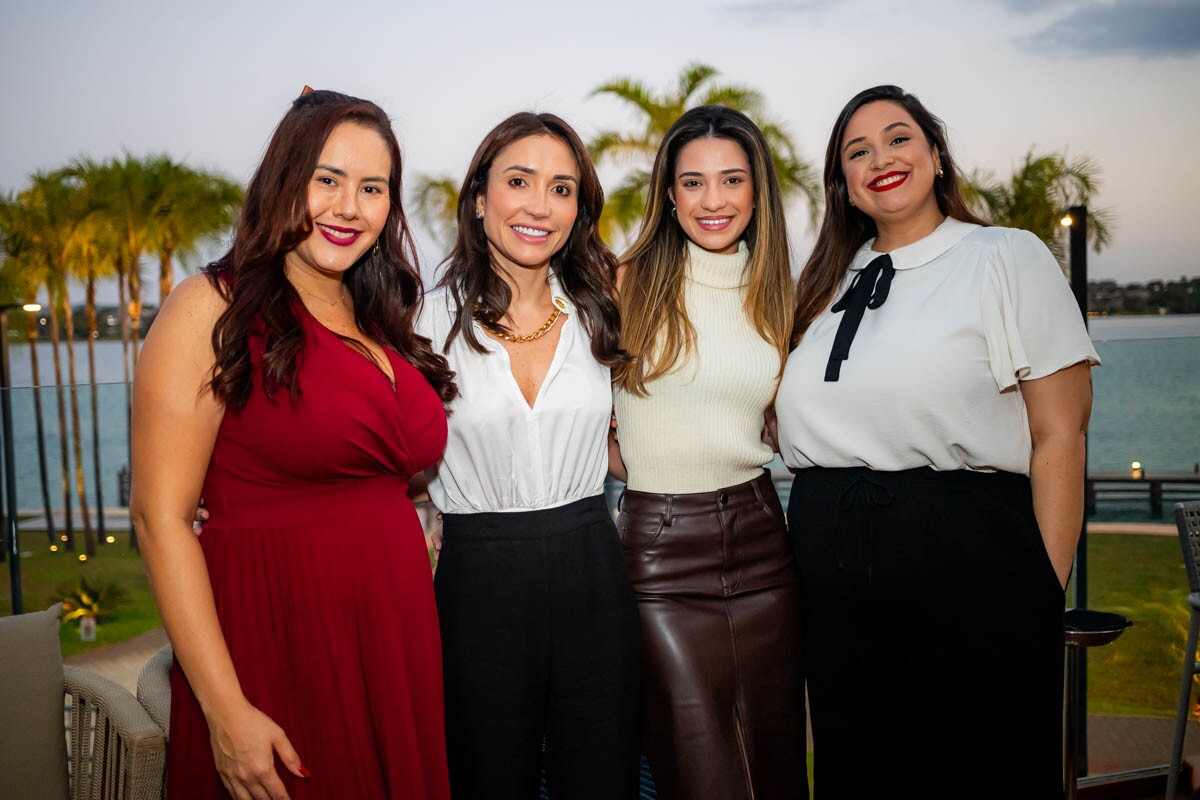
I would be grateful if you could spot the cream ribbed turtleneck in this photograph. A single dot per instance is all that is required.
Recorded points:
(700, 429)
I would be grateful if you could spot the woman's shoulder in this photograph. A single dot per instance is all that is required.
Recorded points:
(196, 297)
(1002, 239)
(438, 310)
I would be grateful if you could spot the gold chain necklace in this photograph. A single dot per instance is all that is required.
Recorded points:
(332, 303)
(521, 338)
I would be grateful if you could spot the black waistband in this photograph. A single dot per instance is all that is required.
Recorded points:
(528, 524)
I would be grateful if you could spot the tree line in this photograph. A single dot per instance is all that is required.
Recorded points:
(92, 221)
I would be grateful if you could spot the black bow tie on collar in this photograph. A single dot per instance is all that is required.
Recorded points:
(869, 290)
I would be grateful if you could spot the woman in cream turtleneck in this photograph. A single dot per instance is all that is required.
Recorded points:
(706, 314)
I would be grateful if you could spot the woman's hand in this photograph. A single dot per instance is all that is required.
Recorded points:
(433, 541)
(244, 743)
(199, 518)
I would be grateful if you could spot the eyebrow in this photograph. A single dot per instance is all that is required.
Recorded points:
(730, 171)
(341, 173)
(530, 171)
(885, 130)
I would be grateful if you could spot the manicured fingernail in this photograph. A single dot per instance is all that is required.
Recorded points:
(304, 773)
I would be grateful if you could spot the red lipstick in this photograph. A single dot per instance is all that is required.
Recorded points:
(875, 187)
(348, 235)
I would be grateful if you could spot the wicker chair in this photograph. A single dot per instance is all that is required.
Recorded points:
(1187, 520)
(154, 688)
(66, 731)
(115, 751)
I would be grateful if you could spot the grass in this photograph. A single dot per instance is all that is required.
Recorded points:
(1141, 577)
(45, 575)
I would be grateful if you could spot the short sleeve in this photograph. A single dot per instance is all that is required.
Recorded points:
(1030, 318)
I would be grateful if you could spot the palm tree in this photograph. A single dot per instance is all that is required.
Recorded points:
(657, 112)
(41, 226)
(1040, 190)
(191, 205)
(23, 274)
(67, 214)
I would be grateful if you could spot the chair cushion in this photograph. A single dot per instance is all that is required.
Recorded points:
(33, 747)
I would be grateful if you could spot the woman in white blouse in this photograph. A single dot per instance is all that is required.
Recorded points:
(706, 315)
(539, 625)
(934, 410)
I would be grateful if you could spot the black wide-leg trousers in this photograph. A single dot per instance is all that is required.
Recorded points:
(932, 625)
(540, 647)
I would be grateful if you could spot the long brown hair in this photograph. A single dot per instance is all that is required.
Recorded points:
(384, 284)
(585, 267)
(655, 329)
(845, 228)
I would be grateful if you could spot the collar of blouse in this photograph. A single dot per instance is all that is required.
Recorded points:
(920, 252)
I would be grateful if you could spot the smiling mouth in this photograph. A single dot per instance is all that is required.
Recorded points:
(339, 236)
(713, 223)
(525, 230)
(889, 181)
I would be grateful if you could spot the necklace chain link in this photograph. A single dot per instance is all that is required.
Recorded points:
(520, 338)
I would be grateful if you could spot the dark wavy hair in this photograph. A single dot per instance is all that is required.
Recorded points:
(845, 228)
(585, 267)
(385, 283)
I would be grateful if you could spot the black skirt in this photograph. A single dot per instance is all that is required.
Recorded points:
(932, 623)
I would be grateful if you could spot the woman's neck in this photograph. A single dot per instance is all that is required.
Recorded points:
(894, 234)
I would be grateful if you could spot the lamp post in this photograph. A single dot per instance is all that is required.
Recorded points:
(10, 476)
(1075, 221)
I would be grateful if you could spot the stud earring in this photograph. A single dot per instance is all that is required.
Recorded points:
(939, 171)
(674, 214)
(478, 214)
(375, 249)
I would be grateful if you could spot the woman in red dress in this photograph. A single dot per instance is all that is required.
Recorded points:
(287, 386)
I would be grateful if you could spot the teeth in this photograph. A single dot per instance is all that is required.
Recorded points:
(890, 180)
(713, 223)
(530, 231)
(337, 234)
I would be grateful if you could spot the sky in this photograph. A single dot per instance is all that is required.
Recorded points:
(1117, 80)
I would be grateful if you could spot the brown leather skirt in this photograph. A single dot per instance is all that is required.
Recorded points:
(718, 595)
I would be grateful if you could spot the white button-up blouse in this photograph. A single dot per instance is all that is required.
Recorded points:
(502, 455)
(933, 374)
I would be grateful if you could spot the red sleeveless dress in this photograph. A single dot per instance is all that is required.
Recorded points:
(322, 580)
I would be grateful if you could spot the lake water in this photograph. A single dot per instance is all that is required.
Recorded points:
(1146, 408)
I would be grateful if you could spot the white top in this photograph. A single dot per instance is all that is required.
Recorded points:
(932, 377)
(700, 429)
(502, 455)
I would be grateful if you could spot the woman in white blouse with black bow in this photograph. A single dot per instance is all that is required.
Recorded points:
(539, 625)
(933, 410)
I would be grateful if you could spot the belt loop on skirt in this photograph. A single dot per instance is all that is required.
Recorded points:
(668, 515)
(757, 485)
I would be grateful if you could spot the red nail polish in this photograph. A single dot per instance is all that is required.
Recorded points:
(304, 773)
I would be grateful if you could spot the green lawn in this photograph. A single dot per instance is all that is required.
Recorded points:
(44, 574)
(1141, 577)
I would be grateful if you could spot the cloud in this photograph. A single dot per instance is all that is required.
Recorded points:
(1142, 28)
(769, 10)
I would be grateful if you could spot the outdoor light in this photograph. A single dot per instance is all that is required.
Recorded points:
(53, 548)
(1135, 469)
(32, 308)
(83, 556)
(63, 537)
(110, 539)
(1066, 221)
